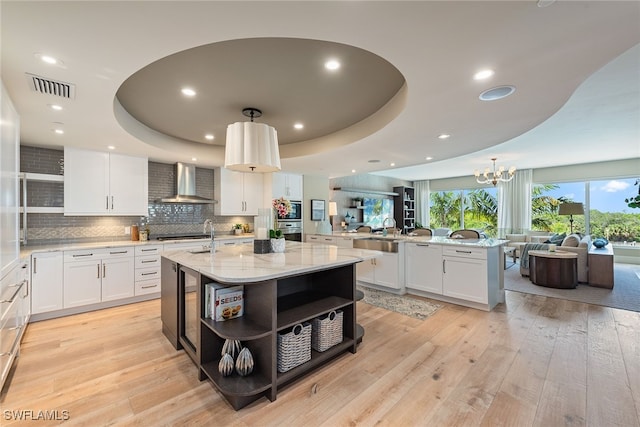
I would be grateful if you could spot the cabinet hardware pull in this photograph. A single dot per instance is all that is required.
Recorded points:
(147, 261)
(149, 286)
(422, 244)
(149, 274)
(13, 297)
(35, 265)
(149, 250)
(107, 197)
(444, 268)
(463, 252)
(75, 256)
(98, 276)
(104, 270)
(111, 202)
(118, 252)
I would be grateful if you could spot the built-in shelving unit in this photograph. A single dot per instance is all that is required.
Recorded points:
(404, 209)
(273, 307)
(27, 177)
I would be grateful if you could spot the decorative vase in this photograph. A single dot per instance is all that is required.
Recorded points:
(277, 245)
(237, 230)
(244, 363)
(226, 365)
(232, 348)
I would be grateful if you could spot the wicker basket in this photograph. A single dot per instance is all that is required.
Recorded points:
(294, 347)
(327, 331)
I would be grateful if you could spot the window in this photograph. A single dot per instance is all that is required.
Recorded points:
(474, 209)
(606, 213)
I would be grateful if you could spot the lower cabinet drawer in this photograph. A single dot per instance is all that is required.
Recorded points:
(147, 261)
(465, 252)
(147, 273)
(147, 286)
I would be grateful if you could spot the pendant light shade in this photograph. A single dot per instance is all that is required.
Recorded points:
(252, 147)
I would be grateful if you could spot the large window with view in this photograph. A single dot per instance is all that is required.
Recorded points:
(606, 213)
(456, 209)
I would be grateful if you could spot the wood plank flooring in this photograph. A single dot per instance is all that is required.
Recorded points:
(534, 361)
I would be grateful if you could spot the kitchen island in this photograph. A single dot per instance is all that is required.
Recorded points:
(281, 290)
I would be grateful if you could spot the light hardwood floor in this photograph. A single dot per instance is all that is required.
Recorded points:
(535, 361)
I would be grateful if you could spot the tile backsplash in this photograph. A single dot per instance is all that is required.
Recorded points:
(163, 218)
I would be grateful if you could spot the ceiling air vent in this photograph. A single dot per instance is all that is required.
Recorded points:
(51, 87)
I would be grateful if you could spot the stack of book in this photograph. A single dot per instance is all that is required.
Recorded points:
(223, 302)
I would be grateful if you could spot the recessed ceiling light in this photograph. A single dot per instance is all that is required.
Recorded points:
(428, 158)
(298, 126)
(48, 59)
(187, 91)
(353, 171)
(392, 164)
(58, 131)
(483, 74)
(332, 65)
(194, 159)
(111, 147)
(209, 137)
(55, 107)
(443, 136)
(497, 93)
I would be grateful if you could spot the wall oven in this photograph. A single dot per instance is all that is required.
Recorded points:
(292, 230)
(295, 214)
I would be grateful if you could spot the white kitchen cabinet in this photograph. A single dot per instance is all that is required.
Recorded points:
(320, 238)
(95, 275)
(382, 271)
(424, 267)
(465, 274)
(287, 185)
(97, 183)
(237, 193)
(344, 242)
(46, 282)
(147, 274)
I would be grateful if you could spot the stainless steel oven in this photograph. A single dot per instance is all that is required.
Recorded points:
(292, 230)
(296, 212)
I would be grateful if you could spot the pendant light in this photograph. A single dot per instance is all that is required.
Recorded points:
(250, 146)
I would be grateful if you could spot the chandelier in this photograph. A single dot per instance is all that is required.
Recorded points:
(495, 176)
(250, 146)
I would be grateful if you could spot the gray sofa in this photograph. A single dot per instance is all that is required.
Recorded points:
(571, 243)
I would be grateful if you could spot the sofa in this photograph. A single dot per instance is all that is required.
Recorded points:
(517, 241)
(572, 243)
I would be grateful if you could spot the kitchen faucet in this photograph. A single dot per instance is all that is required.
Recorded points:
(384, 228)
(208, 222)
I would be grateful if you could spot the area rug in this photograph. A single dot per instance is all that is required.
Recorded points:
(403, 304)
(624, 295)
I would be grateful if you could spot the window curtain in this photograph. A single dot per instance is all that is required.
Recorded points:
(422, 202)
(514, 204)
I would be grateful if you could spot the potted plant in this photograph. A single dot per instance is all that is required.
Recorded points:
(277, 240)
(237, 228)
(357, 202)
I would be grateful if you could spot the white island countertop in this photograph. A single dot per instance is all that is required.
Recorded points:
(238, 264)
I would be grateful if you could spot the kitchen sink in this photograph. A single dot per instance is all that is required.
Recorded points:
(376, 243)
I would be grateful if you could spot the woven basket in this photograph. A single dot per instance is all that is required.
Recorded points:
(327, 331)
(294, 347)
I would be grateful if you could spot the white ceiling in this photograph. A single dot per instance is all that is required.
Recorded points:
(576, 67)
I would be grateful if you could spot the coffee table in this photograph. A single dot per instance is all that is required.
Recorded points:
(557, 269)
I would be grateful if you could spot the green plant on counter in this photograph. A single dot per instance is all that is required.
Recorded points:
(275, 234)
(237, 226)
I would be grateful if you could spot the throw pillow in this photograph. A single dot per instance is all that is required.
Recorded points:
(556, 239)
(572, 240)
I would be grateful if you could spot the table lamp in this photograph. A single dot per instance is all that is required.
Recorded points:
(333, 210)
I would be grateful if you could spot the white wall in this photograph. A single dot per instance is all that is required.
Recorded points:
(315, 187)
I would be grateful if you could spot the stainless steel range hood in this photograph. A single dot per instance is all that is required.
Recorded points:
(185, 186)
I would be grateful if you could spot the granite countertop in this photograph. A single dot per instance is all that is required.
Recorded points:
(238, 264)
(483, 243)
(27, 250)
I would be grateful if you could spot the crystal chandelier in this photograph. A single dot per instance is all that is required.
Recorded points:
(495, 176)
